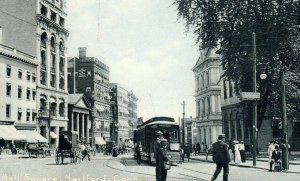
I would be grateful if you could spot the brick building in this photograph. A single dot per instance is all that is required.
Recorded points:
(89, 76)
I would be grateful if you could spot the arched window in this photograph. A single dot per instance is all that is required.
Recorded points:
(44, 39)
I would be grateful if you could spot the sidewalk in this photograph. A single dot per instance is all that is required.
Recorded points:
(261, 163)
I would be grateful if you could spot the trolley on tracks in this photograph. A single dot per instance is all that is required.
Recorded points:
(66, 148)
(146, 136)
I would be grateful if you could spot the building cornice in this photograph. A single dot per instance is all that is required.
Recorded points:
(43, 18)
(52, 5)
(11, 52)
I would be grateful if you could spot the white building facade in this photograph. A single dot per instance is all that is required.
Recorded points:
(52, 94)
(208, 97)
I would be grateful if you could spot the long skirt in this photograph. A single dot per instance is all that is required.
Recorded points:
(243, 155)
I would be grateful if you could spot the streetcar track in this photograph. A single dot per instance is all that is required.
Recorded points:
(153, 175)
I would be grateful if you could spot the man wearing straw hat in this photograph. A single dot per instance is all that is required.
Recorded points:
(221, 157)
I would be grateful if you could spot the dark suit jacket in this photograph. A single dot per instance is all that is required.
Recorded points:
(276, 156)
(220, 152)
(162, 157)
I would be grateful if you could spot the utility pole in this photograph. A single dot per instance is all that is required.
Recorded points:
(284, 123)
(254, 128)
(183, 127)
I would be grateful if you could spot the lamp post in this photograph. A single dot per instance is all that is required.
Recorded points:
(254, 103)
(183, 126)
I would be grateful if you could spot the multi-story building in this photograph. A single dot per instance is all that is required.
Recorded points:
(18, 95)
(132, 106)
(88, 75)
(38, 27)
(191, 130)
(124, 113)
(208, 98)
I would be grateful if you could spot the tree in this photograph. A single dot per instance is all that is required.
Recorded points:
(228, 25)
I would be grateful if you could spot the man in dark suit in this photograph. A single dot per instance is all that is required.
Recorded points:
(276, 158)
(221, 157)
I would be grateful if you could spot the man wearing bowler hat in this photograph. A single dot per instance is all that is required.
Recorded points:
(221, 157)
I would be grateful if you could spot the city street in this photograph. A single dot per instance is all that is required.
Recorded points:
(125, 169)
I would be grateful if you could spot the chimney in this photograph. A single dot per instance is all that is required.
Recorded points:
(82, 52)
(0, 34)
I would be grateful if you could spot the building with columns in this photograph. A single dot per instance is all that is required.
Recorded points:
(208, 97)
(38, 28)
(90, 76)
(78, 114)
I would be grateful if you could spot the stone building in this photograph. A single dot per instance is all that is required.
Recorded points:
(18, 95)
(89, 76)
(78, 114)
(207, 97)
(124, 113)
(132, 108)
(38, 28)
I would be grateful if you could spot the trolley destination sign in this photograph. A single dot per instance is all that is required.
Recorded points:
(249, 96)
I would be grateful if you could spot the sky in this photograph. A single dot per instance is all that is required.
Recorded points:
(146, 47)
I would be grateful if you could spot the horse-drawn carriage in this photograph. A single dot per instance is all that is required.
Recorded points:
(37, 150)
(68, 141)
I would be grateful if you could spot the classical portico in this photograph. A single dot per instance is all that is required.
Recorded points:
(78, 114)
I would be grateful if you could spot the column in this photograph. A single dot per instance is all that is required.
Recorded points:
(71, 122)
(213, 105)
(57, 71)
(48, 60)
(82, 125)
(66, 71)
(87, 128)
(77, 123)
(38, 56)
(235, 128)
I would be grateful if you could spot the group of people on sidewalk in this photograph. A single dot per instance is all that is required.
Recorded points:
(237, 152)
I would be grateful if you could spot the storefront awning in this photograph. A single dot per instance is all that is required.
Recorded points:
(53, 135)
(33, 136)
(9, 132)
(99, 141)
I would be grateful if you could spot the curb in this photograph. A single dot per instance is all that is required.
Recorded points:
(243, 166)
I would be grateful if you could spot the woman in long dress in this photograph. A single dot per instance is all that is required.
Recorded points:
(237, 154)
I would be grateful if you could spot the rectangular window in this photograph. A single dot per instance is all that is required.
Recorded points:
(7, 110)
(8, 70)
(19, 114)
(33, 94)
(28, 115)
(20, 74)
(225, 89)
(33, 77)
(8, 89)
(28, 76)
(52, 81)
(19, 92)
(43, 78)
(28, 94)
(230, 89)
(33, 115)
